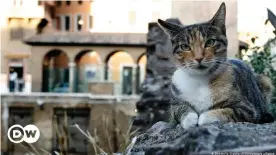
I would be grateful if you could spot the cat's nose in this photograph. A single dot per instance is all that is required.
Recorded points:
(199, 60)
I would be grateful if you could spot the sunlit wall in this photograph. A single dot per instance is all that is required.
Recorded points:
(128, 15)
(251, 20)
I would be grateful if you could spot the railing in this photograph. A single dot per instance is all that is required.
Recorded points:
(41, 98)
(82, 76)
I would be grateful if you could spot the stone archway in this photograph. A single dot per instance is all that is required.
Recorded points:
(88, 69)
(119, 69)
(140, 71)
(55, 76)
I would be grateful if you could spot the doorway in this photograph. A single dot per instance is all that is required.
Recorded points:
(55, 76)
(127, 74)
(16, 77)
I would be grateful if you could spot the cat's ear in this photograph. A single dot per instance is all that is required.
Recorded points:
(219, 18)
(169, 28)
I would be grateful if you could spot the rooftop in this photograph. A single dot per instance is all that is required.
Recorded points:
(87, 38)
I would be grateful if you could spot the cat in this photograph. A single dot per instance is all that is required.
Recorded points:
(206, 86)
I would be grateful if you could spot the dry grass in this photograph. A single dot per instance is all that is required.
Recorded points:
(61, 132)
(126, 136)
(31, 150)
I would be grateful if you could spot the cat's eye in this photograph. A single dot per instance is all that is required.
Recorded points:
(210, 43)
(185, 47)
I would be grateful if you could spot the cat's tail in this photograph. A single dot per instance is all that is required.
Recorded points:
(266, 87)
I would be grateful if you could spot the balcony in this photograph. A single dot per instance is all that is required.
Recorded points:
(26, 12)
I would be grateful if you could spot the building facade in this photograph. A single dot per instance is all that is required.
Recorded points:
(74, 17)
(129, 16)
(74, 62)
(97, 61)
(19, 19)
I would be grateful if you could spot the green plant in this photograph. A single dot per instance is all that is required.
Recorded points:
(263, 62)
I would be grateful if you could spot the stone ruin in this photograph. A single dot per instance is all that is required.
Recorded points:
(154, 100)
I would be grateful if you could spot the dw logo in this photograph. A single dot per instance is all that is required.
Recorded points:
(18, 134)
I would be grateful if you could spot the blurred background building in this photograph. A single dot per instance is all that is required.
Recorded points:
(18, 20)
(119, 64)
(76, 43)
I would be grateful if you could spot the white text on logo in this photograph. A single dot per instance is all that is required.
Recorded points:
(29, 134)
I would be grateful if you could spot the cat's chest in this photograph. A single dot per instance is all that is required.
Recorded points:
(195, 90)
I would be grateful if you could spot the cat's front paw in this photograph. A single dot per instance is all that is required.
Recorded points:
(189, 121)
(207, 118)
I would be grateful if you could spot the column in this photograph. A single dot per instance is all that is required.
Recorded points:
(5, 122)
(101, 69)
(71, 76)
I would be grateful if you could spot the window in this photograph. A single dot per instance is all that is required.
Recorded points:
(58, 3)
(132, 17)
(16, 33)
(90, 23)
(17, 2)
(22, 116)
(68, 3)
(57, 23)
(67, 23)
(64, 120)
(127, 77)
(79, 22)
(80, 2)
(16, 76)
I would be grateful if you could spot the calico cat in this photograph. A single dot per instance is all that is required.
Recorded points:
(207, 87)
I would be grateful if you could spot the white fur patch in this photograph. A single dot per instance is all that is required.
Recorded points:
(189, 121)
(206, 118)
(193, 89)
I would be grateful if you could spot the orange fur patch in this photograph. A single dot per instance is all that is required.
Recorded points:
(197, 43)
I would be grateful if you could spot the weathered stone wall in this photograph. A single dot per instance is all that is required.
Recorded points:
(110, 118)
(155, 96)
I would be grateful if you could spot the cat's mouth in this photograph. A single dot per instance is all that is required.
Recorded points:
(201, 67)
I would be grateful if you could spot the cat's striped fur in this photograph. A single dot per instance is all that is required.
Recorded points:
(207, 87)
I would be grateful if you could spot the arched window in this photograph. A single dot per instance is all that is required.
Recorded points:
(55, 72)
(88, 69)
(120, 70)
(140, 71)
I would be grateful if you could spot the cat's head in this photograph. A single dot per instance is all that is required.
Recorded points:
(201, 47)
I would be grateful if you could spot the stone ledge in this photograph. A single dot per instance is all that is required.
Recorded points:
(73, 98)
(164, 138)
